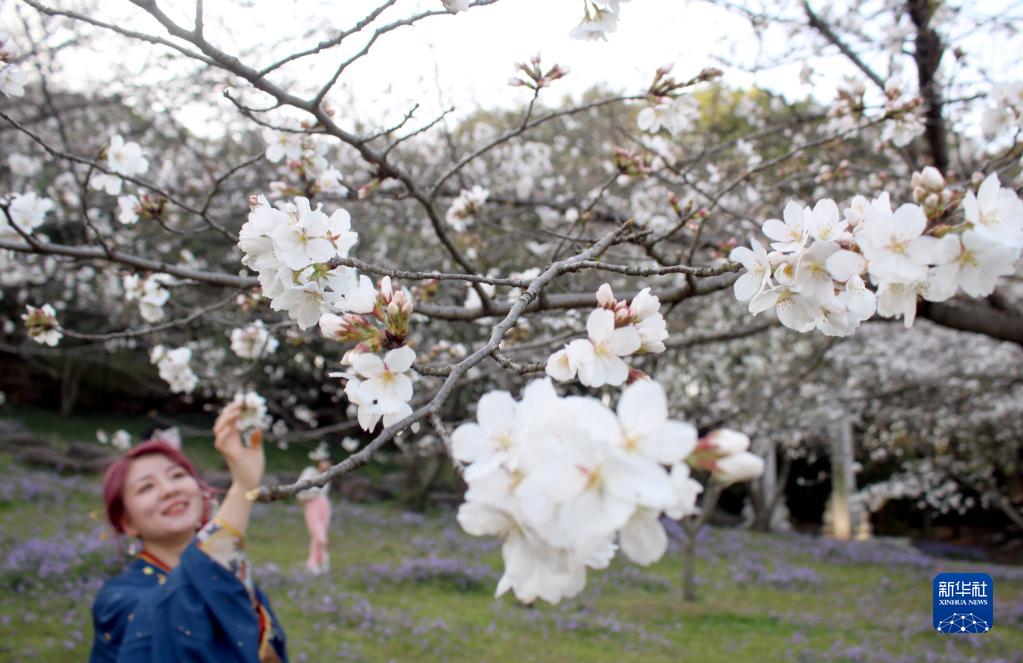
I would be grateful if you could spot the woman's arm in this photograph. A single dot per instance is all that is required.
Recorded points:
(223, 537)
(246, 465)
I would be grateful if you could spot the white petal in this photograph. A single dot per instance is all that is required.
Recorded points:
(400, 359)
(643, 538)
(368, 365)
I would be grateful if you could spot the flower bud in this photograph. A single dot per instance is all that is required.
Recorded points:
(932, 178)
(738, 467)
(605, 296)
(724, 441)
(932, 200)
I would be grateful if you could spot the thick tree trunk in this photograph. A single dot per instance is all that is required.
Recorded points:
(768, 500)
(928, 53)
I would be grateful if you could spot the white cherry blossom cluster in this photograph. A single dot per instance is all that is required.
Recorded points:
(131, 208)
(614, 329)
(27, 212)
(846, 111)
(1005, 112)
(673, 115)
(905, 120)
(122, 158)
(253, 414)
(600, 17)
(149, 293)
(814, 276)
(12, 78)
(174, 368)
(902, 113)
(305, 157)
(566, 481)
(23, 165)
(291, 249)
(253, 341)
(41, 325)
(468, 203)
(380, 388)
(120, 440)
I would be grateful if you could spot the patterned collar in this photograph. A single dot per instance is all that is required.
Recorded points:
(153, 560)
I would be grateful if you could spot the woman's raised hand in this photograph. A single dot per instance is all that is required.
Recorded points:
(246, 463)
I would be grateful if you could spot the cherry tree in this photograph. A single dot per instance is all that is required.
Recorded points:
(531, 291)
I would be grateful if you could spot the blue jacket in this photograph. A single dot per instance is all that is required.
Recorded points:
(198, 612)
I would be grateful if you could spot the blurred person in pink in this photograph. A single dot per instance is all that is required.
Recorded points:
(316, 506)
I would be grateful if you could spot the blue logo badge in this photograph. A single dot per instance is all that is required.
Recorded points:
(963, 603)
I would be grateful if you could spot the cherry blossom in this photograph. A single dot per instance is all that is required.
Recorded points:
(12, 78)
(995, 212)
(41, 325)
(174, 368)
(385, 382)
(560, 479)
(282, 145)
(290, 248)
(253, 414)
(149, 293)
(28, 212)
(253, 341)
(614, 330)
(468, 204)
(122, 159)
(758, 270)
(791, 234)
(819, 285)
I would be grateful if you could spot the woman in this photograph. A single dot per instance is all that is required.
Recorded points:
(189, 594)
(316, 506)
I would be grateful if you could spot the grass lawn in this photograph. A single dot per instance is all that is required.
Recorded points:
(413, 587)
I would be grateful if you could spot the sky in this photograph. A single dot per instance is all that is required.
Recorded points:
(462, 60)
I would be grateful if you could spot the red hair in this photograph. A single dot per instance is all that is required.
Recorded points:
(117, 474)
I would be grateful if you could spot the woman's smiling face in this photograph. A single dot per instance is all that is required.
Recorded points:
(161, 499)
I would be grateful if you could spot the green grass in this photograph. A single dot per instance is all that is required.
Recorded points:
(82, 428)
(625, 614)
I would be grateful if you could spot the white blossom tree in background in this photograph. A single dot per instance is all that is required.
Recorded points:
(592, 306)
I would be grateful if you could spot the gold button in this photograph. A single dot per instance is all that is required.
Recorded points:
(148, 570)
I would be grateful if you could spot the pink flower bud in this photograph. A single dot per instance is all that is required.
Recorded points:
(605, 296)
(738, 467)
(724, 441)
